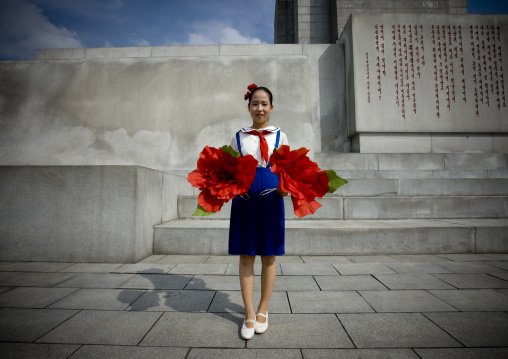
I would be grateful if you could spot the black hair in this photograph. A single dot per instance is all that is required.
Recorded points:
(265, 90)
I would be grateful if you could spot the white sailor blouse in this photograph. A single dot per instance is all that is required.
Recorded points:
(250, 144)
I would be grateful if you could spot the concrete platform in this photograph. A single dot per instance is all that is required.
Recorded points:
(382, 306)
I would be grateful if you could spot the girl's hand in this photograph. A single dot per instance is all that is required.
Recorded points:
(282, 193)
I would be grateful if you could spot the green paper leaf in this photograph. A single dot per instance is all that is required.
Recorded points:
(334, 181)
(230, 150)
(200, 211)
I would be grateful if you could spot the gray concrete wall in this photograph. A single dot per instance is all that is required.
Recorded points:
(78, 213)
(158, 106)
(419, 83)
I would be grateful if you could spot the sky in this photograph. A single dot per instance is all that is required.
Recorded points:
(28, 25)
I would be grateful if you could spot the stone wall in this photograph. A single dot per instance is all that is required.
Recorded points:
(159, 106)
(344, 8)
(79, 213)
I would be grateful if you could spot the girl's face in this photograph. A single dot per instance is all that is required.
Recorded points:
(260, 109)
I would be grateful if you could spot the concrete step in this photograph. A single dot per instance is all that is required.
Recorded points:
(413, 161)
(414, 174)
(393, 207)
(334, 237)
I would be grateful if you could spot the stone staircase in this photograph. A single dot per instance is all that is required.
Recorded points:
(393, 204)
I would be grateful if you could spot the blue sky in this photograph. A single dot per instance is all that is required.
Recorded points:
(27, 25)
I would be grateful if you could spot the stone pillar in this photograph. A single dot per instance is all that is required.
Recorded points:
(286, 26)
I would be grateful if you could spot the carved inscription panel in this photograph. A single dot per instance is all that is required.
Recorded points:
(437, 70)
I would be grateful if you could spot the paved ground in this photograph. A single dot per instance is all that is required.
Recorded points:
(407, 306)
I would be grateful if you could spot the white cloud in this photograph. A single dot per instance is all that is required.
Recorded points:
(215, 32)
(138, 41)
(23, 29)
(233, 36)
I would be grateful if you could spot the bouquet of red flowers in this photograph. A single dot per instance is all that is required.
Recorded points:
(221, 175)
(303, 179)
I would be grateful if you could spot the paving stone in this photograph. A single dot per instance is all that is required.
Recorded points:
(405, 301)
(210, 269)
(177, 259)
(464, 257)
(418, 258)
(502, 265)
(6, 265)
(470, 267)
(219, 330)
(363, 268)
(474, 299)
(289, 283)
(33, 297)
(328, 302)
(472, 280)
(4, 276)
(174, 301)
(308, 269)
(103, 327)
(147, 268)
(92, 267)
(500, 275)
(38, 267)
(359, 353)
(36, 279)
(395, 330)
(417, 268)
(222, 260)
(349, 282)
(289, 259)
(234, 270)
(463, 353)
(26, 325)
(225, 301)
(475, 329)
(412, 281)
(302, 331)
(200, 353)
(153, 258)
(128, 352)
(99, 299)
(373, 259)
(497, 256)
(157, 281)
(214, 282)
(326, 259)
(96, 280)
(39, 351)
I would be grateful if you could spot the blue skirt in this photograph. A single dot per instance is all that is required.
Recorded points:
(257, 221)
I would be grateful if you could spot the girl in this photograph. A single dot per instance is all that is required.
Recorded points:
(257, 219)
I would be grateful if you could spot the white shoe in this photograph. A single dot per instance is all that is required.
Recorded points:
(247, 333)
(261, 327)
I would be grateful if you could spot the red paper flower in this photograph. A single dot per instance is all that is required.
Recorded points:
(303, 179)
(221, 176)
(249, 90)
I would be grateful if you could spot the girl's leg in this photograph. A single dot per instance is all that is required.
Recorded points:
(247, 285)
(268, 272)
